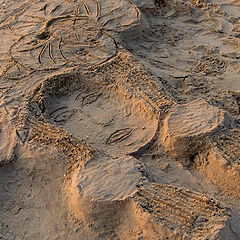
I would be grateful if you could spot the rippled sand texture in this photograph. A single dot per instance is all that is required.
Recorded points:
(119, 119)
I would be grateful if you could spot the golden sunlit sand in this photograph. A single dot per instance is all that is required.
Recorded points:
(119, 120)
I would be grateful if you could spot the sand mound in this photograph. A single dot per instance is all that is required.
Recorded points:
(102, 200)
(112, 179)
(187, 125)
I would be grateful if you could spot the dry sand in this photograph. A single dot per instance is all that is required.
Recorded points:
(120, 119)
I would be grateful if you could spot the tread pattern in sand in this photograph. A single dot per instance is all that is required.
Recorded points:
(221, 162)
(184, 211)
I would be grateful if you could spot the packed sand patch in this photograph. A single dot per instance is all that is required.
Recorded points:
(112, 179)
(103, 200)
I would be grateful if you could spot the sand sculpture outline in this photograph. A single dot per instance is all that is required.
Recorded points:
(92, 34)
(84, 198)
(33, 124)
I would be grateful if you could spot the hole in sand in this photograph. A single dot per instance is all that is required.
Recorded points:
(43, 35)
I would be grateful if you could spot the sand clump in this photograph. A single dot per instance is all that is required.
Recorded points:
(187, 125)
(119, 120)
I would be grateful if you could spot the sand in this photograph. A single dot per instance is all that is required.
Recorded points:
(119, 120)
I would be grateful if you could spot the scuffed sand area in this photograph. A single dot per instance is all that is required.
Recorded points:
(120, 120)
